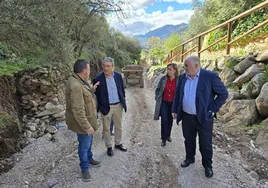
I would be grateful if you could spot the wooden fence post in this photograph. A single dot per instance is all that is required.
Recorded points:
(229, 36)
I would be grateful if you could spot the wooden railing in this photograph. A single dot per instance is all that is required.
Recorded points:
(180, 56)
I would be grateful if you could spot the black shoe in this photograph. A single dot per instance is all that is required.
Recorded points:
(186, 163)
(110, 151)
(169, 139)
(121, 147)
(163, 143)
(112, 133)
(208, 172)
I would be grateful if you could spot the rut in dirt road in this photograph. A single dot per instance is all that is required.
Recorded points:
(155, 168)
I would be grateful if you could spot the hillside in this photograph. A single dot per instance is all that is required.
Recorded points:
(162, 32)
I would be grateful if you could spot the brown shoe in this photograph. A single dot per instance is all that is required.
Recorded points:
(86, 176)
(94, 163)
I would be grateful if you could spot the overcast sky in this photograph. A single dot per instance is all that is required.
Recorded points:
(147, 15)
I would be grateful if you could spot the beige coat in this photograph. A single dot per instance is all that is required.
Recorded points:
(81, 112)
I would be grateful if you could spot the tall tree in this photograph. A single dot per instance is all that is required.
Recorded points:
(156, 49)
(172, 41)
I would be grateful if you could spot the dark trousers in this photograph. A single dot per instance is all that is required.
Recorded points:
(166, 120)
(190, 128)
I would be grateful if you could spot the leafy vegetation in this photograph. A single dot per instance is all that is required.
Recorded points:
(213, 12)
(171, 42)
(5, 120)
(254, 126)
(52, 31)
(157, 48)
(265, 71)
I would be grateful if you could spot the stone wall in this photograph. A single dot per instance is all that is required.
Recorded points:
(41, 93)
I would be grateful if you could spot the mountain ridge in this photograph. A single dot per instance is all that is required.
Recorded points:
(162, 32)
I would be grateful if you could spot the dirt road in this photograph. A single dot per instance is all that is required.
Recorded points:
(146, 164)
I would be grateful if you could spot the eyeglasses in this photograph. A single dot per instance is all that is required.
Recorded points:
(104, 66)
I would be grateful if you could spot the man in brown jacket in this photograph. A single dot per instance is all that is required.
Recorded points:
(81, 114)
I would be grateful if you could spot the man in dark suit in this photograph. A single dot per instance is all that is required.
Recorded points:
(111, 102)
(199, 95)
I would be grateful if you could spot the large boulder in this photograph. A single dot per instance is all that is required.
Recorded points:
(155, 71)
(262, 101)
(262, 57)
(228, 75)
(50, 110)
(262, 138)
(238, 112)
(228, 61)
(244, 65)
(233, 95)
(221, 64)
(248, 75)
(253, 88)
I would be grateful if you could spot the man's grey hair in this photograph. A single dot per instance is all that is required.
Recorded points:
(108, 59)
(194, 60)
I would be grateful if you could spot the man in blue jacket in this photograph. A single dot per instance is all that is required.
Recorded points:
(111, 102)
(199, 95)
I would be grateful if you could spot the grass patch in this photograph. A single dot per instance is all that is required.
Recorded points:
(253, 127)
(5, 120)
(240, 52)
(8, 67)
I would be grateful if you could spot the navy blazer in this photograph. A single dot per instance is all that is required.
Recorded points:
(210, 96)
(102, 92)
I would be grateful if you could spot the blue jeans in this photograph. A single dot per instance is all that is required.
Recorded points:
(84, 150)
(166, 120)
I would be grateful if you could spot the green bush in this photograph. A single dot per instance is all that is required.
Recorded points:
(5, 120)
(8, 67)
(240, 27)
(265, 71)
(240, 52)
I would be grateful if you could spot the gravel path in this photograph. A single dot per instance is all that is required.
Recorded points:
(146, 164)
